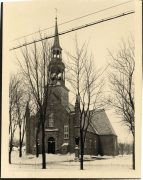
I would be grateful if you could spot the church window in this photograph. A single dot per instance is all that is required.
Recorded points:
(66, 132)
(51, 120)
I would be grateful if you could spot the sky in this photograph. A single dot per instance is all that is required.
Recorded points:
(26, 17)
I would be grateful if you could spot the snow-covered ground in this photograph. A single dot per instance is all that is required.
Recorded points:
(68, 161)
(56, 164)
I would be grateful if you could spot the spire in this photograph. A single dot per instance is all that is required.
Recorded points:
(56, 44)
(56, 66)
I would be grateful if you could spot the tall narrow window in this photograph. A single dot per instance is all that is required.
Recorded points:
(66, 132)
(51, 120)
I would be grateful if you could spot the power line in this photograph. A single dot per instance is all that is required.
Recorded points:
(75, 19)
(77, 28)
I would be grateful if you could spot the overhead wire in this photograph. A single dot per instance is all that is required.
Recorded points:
(74, 19)
(77, 28)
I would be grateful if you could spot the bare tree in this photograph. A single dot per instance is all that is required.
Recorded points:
(20, 103)
(87, 85)
(37, 135)
(17, 97)
(125, 148)
(34, 67)
(12, 112)
(121, 148)
(122, 85)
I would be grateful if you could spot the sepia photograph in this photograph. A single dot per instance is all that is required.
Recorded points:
(71, 89)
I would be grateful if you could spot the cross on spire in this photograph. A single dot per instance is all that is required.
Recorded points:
(56, 10)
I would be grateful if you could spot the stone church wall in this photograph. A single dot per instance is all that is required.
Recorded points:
(91, 144)
(108, 145)
(71, 133)
(30, 135)
(61, 118)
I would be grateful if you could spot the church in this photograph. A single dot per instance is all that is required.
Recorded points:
(62, 125)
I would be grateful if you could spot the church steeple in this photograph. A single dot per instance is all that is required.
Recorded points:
(56, 66)
(56, 38)
(56, 48)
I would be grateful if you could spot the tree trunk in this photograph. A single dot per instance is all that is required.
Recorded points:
(81, 149)
(133, 156)
(10, 151)
(20, 143)
(43, 144)
(9, 157)
(11, 139)
(20, 149)
(37, 145)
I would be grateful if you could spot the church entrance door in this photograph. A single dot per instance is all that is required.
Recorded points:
(51, 145)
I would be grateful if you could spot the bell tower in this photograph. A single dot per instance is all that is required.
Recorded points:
(57, 71)
(56, 66)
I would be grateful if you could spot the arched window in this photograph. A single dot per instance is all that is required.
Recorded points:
(51, 120)
(58, 52)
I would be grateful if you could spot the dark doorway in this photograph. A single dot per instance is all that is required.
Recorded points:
(51, 145)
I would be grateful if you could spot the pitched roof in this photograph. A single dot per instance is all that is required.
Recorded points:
(101, 123)
(92, 129)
